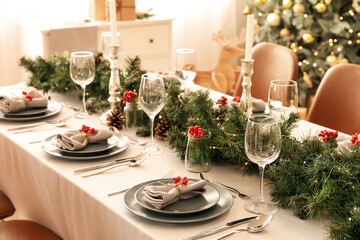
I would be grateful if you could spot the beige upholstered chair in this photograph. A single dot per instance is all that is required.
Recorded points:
(337, 101)
(272, 62)
(20, 229)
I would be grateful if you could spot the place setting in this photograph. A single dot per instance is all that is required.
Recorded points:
(17, 104)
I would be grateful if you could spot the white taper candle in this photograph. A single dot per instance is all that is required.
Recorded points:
(249, 36)
(112, 10)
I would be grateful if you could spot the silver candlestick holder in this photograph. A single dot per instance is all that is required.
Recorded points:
(114, 83)
(246, 71)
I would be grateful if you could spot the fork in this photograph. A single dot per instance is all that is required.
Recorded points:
(167, 175)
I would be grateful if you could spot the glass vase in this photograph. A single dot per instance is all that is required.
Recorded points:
(130, 111)
(197, 156)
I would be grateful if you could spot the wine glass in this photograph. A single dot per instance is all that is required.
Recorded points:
(185, 69)
(283, 98)
(152, 100)
(262, 146)
(82, 72)
(106, 42)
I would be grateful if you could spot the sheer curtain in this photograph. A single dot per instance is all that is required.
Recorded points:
(51, 12)
(193, 26)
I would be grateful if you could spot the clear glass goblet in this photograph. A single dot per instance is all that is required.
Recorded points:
(82, 72)
(152, 100)
(283, 98)
(262, 146)
(106, 42)
(185, 68)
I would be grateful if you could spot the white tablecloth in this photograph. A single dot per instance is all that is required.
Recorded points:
(44, 189)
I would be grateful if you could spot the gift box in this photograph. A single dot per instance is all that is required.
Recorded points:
(125, 10)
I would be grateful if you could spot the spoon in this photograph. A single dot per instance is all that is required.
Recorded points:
(59, 123)
(131, 163)
(254, 226)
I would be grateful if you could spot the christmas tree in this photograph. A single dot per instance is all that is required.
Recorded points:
(322, 33)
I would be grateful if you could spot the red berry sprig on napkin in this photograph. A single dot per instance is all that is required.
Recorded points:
(236, 99)
(128, 96)
(87, 129)
(196, 131)
(222, 100)
(181, 181)
(325, 134)
(355, 139)
(28, 95)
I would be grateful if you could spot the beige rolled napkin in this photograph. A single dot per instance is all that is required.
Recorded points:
(162, 196)
(77, 140)
(11, 102)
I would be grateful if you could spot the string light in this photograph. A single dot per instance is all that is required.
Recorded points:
(358, 34)
(351, 30)
(320, 69)
(316, 53)
(300, 64)
(351, 12)
(260, 14)
(331, 44)
(339, 49)
(331, 40)
(284, 12)
(341, 18)
(314, 65)
(300, 47)
(305, 15)
(358, 41)
(349, 42)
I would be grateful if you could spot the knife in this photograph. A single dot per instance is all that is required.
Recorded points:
(102, 165)
(220, 228)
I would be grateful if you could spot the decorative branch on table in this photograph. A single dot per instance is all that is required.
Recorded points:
(312, 177)
(53, 75)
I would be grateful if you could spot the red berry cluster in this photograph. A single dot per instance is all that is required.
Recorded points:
(86, 129)
(128, 96)
(327, 134)
(236, 99)
(222, 100)
(183, 181)
(196, 131)
(28, 95)
(355, 139)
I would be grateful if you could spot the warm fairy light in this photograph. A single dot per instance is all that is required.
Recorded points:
(351, 12)
(316, 53)
(358, 41)
(293, 45)
(284, 12)
(339, 49)
(351, 30)
(304, 61)
(260, 14)
(349, 42)
(300, 47)
(331, 44)
(320, 69)
(331, 40)
(300, 64)
(294, 50)
(358, 34)
(350, 219)
(335, 40)
(314, 65)
(305, 15)
(341, 18)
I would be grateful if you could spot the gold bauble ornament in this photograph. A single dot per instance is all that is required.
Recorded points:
(344, 60)
(308, 38)
(307, 79)
(328, 2)
(287, 3)
(284, 32)
(298, 8)
(259, 2)
(246, 10)
(273, 19)
(332, 60)
(320, 7)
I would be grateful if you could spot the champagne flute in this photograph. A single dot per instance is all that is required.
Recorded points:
(262, 146)
(283, 98)
(185, 69)
(106, 41)
(82, 72)
(152, 100)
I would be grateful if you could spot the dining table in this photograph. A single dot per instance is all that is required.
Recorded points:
(44, 188)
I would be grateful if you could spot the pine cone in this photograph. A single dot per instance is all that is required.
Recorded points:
(162, 127)
(115, 119)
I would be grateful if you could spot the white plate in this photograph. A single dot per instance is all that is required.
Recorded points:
(196, 204)
(53, 108)
(48, 147)
(222, 206)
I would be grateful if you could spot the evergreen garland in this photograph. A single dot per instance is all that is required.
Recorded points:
(311, 177)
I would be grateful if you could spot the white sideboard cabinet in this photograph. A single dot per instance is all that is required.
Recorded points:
(150, 39)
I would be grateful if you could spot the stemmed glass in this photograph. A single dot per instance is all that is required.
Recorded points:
(82, 72)
(106, 41)
(283, 98)
(185, 69)
(262, 146)
(152, 100)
